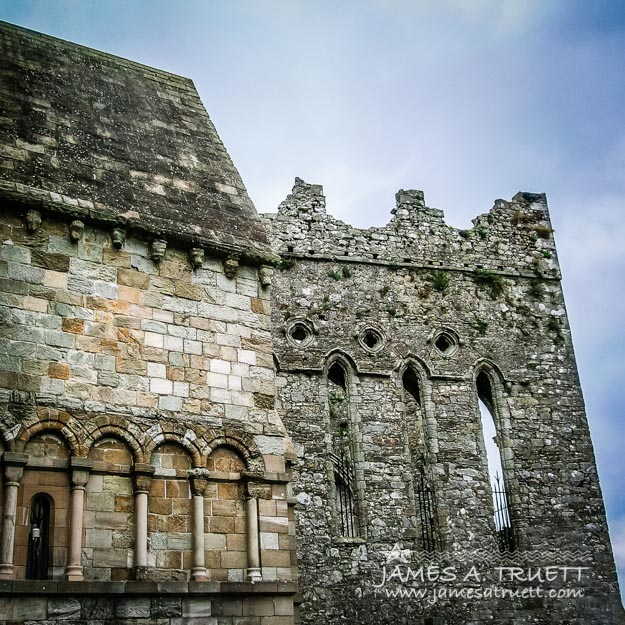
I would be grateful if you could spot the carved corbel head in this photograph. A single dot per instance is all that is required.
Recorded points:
(157, 250)
(231, 264)
(196, 257)
(33, 221)
(76, 228)
(265, 274)
(118, 236)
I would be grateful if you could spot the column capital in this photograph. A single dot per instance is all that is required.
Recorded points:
(142, 476)
(199, 480)
(14, 464)
(254, 486)
(81, 467)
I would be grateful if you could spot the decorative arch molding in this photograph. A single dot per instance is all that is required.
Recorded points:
(190, 446)
(243, 444)
(499, 388)
(61, 429)
(424, 376)
(420, 366)
(343, 358)
(121, 434)
(490, 368)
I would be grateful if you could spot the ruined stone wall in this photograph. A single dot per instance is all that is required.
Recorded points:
(137, 399)
(422, 319)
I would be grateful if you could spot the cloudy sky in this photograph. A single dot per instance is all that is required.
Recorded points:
(469, 100)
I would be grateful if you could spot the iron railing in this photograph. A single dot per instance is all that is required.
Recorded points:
(345, 499)
(503, 521)
(426, 509)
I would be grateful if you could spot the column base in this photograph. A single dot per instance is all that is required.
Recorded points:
(253, 575)
(7, 571)
(74, 573)
(198, 574)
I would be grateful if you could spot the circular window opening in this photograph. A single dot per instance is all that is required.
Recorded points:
(371, 340)
(299, 334)
(445, 344)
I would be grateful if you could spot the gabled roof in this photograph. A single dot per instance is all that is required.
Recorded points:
(90, 134)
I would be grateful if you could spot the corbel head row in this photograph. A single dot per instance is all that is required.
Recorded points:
(33, 223)
(158, 247)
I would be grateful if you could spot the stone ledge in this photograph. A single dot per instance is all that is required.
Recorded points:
(23, 197)
(135, 588)
(511, 272)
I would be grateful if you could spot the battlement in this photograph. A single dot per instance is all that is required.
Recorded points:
(515, 236)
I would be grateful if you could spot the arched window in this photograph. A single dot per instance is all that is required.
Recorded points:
(341, 452)
(38, 554)
(493, 445)
(43, 496)
(428, 537)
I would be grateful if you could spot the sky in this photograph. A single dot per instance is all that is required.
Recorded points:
(468, 100)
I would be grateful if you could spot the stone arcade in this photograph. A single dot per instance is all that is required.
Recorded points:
(205, 413)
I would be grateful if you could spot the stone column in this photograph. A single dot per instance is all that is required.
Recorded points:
(253, 573)
(80, 468)
(199, 483)
(14, 464)
(141, 480)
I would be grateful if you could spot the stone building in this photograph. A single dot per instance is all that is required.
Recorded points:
(184, 442)
(144, 464)
(387, 341)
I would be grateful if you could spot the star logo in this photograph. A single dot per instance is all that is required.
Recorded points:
(397, 554)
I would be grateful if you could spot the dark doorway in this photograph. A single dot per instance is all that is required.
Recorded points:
(38, 538)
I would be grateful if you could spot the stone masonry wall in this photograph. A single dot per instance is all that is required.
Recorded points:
(466, 314)
(136, 388)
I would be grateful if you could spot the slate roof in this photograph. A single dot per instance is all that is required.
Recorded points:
(90, 134)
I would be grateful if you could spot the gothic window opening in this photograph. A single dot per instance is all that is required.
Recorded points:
(411, 385)
(492, 443)
(427, 534)
(38, 538)
(341, 454)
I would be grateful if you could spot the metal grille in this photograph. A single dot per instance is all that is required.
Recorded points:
(38, 539)
(426, 509)
(345, 500)
(503, 522)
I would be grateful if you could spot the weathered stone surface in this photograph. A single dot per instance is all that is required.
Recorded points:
(113, 362)
(98, 106)
(446, 305)
(137, 369)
